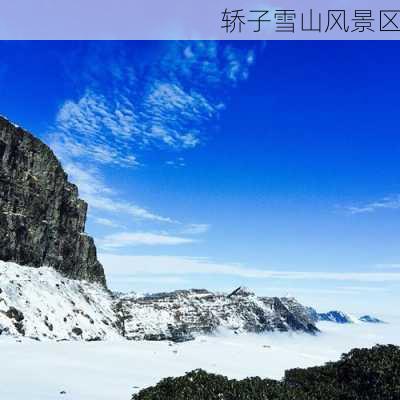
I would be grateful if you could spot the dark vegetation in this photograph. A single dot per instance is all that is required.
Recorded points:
(361, 374)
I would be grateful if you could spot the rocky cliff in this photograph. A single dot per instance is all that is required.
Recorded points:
(42, 220)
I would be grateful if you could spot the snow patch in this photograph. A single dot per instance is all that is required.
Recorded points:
(12, 123)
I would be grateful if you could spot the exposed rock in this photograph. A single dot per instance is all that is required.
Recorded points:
(340, 317)
(15, 314)
(77, 331)
(313, 314)
(42, 220)
(182, 314)
(336, 316)
(370, 319)
(241, 291)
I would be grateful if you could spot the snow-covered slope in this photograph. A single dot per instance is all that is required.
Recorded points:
(40, 303)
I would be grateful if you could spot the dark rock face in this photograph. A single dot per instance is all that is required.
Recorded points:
(42, 220)
(335, 316)
(13, 313)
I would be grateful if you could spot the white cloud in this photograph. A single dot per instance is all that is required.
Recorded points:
(164, 280)
(176, 265)
(106, 222)
(388, 203)
(361, 289)
(125, 109)
(209, 62)
(111, 205)
(97, 128)
(128, 107)
(196, 229)
(388, 266)
(179, 162)
(124, 239)
(340, 291)
(99, 196)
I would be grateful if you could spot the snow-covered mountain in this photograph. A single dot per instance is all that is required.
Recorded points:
(336, 316)
(340, 317)
(181, 314)
(41, 303)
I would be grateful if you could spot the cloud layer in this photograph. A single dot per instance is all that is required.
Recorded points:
(124, 239)
(174, 265)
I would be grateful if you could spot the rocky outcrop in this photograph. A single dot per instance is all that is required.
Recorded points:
(336, 316)
(42, 220)
(182, 314)
(370, 319)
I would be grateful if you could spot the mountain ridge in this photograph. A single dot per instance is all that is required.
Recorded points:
(41, 303)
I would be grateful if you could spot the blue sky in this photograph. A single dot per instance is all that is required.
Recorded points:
(216, 164)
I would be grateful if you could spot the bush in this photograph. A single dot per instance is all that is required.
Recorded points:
(361, 374)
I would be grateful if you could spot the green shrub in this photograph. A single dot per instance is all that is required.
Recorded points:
(361, 374)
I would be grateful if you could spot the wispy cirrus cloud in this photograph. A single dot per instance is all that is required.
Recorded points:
(128, 239)
(209, 63)
(107, 222)
(95, 128)
(195, 229)
(178, 163)
(128, 107)
(167, 102)
(102, 197)
(387, 203)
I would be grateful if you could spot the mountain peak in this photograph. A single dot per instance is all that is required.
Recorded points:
(242, 291)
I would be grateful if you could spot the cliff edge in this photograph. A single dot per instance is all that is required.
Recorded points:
(42, 219)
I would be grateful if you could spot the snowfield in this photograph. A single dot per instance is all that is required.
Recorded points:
(115, 369)
(40, 303)
(50, 328)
